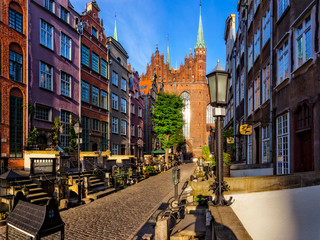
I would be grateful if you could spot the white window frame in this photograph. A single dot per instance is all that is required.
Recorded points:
(123, 84)
(85, 61)
(65, 84)
(123, 105)
(250, 56)
(257, 93)
(115, 149)
(95, 90)
(123, 127)
(115, 79)
(210, 117)
(45, 108)
(133, 108)
(250, 100)
(104, 67)
(97, 33)
(283, 138)
(132, 130)
(250, 149)
(64, 14)
(115, 101)
(303, 35)
(266, 27)
(46, 33)
(139, 132)
(257, 44)
(65, 45)
(45, 77)
(86, 89)
(65, 117)
(282, 6)
(47, 3)
(95, 127)
(265, 144)
(139, 112)
(95, 59)
(283, 62)
(104, 99)
(266, 83)
(115, 125)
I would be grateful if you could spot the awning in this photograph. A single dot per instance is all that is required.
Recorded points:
(159, 151)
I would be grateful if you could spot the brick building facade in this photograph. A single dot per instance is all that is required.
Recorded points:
(13, 82)
(94, 81)
(189, 81)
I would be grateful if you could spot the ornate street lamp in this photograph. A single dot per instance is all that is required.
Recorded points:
(78, 130)
(218, 81)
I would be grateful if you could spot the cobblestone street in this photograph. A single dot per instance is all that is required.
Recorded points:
(122, 214)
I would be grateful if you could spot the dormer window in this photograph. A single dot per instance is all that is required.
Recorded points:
(94, 32)
(64, 14)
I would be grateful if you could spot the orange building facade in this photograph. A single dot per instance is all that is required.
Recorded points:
(13, 83)
(189, 82)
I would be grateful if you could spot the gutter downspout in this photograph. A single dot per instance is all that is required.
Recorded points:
(271, 85)
(109, 98)
(245, 92)
(27, 74)
(234, 54)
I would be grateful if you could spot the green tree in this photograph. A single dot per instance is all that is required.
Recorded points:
(168, 119)
(32, 138)
(177, 139)
(55, 131)
(73, 136)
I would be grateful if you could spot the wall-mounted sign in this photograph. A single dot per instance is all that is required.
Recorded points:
(230, 140)
(246, 129)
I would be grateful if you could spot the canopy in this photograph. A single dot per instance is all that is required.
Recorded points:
(10, 175)
(159, 151)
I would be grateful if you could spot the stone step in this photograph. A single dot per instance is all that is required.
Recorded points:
(28, 186)
(35, 190)
(192, 226)
(97, 184)
(22, 182)
(40, 201)
(92, 181)
(101, 194)
(37, 195)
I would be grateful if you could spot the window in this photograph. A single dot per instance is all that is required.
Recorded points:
(45, 76)
(95, 62)
(46, 34)
(249, 153)
(250, 17)
(85, 122)
(139, 132)
(256, 93)
(132, 130)
(104, 135)
(95, 125)
(283, 155)
(123, 127)
(115, 122)
(265, 83)
(140, 112)
(104, 97)
(65, 117)
(104, 68)
(132, 108)
(114, 101)
(256, 5)
(242, 86)
(15, 61)
(65, 84)
(237, 93)
(115, 78)
(85, 55)
(250, 101)
(266, 144)
(64, 14)
(257, 44)
(94, 32)
(65, 46)
(123, 84)
(303, 117)
(16, 124)
(266, 27)
(123, 105)
(282, 6)
(115, 149)
(231, 108)
(136, 94)
(283, 62)
(49, 4)
(186, 114)
(242, 47)
(95, 96)
(43, 113)
(304, 41)
(250, 57)
(15, 20)
(210, 117)
(85, 91)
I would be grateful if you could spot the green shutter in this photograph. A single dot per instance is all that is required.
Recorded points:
(16, 126)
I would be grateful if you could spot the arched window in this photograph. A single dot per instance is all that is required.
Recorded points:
(210, 118)
(186, 114)
(16, 63)
(15, 17)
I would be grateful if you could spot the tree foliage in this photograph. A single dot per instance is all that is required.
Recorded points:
(168, 119)
(55, 130)
(32, 138)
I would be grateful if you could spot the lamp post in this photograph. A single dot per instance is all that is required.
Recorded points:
(218, 81)
(78, 130)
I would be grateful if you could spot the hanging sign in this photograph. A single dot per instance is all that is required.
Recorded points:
(230, 140)
(246, 129)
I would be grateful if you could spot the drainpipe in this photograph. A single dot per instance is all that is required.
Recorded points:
(234, 54)
(109, 97)
(129, 112)
(27, 75)
(271, 80)
(146, 132)
(245, 85)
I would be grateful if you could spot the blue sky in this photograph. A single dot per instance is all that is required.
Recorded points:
(141, 24)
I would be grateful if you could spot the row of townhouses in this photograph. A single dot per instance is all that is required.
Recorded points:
(56, 64)
(274, 61)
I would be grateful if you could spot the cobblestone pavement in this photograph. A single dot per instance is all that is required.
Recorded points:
(122, 214)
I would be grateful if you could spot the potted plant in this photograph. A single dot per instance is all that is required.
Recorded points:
(226, 163)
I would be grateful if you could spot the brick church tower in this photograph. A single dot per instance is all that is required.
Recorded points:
(189, 81)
